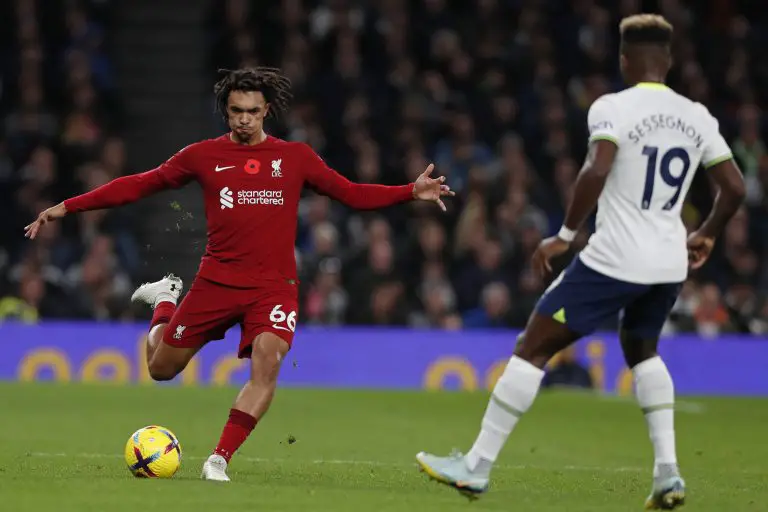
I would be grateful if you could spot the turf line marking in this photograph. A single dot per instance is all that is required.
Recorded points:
(349, 462)
(374, 463)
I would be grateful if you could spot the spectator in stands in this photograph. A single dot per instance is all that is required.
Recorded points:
(565, 371)
(496, 309)
(438, 300)
(326, 302)
(711, 316)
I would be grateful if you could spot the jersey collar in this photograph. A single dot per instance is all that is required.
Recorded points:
(651, 85)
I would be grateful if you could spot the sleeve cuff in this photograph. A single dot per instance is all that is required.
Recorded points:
(718, 160)
(609, 138)
(408, 191)
(71, 205)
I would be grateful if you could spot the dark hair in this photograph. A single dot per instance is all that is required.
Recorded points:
(275, 87)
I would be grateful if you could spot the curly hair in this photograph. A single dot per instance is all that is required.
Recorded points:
(275, 87)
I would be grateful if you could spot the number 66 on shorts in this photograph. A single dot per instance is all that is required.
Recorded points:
(282, 321)
(275, 312)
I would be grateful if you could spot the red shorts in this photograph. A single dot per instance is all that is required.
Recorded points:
(209, 309)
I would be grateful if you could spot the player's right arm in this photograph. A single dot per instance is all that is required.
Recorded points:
(726, 175)
(603, 144)
(173, 173)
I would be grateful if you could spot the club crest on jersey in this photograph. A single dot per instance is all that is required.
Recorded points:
(252, 166)
(179, 332)
(276, 172)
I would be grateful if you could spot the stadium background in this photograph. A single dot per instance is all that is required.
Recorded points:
(495, 92)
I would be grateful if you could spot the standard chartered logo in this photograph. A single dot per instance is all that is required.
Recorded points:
(263, 197)
(250, 197)
(225, 198)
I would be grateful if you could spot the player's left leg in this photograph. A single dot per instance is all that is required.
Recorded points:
(253, 401)
(177, 334)
(641, 326)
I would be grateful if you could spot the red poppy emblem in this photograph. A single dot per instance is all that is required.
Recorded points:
(252, 166)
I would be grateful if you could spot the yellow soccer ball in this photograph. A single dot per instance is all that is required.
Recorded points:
(153, 452)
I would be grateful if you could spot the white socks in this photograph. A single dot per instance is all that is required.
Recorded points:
(164, 297)
(656, 396)
(513, 395)
(519, 384)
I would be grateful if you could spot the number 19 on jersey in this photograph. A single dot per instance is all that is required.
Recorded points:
(664, 170)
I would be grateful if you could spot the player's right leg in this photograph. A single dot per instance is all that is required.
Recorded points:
(176, 335)
(162, 296)
(641, 326)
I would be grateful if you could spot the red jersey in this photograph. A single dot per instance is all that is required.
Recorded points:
(251, 198)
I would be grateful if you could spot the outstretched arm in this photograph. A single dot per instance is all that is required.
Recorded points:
(126, 189)
(369, 197)
(120, 191)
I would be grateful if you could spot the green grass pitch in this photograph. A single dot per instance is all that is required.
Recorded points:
(61, 449)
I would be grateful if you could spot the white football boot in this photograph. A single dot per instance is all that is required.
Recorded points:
(167, 289)
(215, 468)
(668, 491)
(454, 472)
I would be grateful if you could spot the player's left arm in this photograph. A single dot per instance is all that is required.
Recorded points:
(723, 171)
(603, 145)
(363, 196)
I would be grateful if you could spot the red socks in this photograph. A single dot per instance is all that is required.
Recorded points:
(236, 431)
(163, 313)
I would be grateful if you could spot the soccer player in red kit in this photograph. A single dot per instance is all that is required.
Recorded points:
(252, 184)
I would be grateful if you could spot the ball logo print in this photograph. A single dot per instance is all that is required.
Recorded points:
(225, 197)
(252, 166)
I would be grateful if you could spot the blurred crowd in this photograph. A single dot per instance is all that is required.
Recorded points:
(495, 92)
(60, 122)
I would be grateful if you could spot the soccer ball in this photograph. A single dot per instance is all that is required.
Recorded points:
(153, 452)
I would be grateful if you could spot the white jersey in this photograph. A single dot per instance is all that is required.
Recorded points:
(662, 137)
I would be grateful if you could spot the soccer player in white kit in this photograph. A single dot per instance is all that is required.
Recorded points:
(645, 145)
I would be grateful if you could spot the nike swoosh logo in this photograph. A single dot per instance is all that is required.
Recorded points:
(219, 169)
